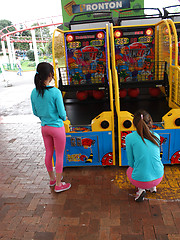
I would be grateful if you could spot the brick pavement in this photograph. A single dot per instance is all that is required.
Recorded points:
(95, 208)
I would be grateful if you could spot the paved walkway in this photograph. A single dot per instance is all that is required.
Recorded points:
(99, 206)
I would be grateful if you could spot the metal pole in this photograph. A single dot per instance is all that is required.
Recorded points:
(30, 46)
(4, 51)
(13, 52)
(35, 46)
(10, 52)
(3, 72)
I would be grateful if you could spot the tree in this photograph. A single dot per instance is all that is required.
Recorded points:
(59, 46)
(42, 33)
(5, 23)
(49, 47)
(30, 55)
(21, 35)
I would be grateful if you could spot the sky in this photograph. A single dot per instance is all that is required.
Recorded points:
(20, 11)
(160, 3)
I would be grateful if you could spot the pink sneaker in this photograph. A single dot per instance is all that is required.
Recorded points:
(53, 183)
(64, 186)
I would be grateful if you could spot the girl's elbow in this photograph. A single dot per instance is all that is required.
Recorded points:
(63, 117)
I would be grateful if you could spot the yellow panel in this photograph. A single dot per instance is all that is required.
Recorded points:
(170, 118)
(104, 116)
(66, 126)
(123, 117)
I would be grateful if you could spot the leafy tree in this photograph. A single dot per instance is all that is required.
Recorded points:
(21, 35)
(41, 31)
(21, 46)
(5, 23)
(30, 55)
(49, 47)
(59, 46)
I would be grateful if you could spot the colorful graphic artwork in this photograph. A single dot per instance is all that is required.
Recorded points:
(169, 149)
(88, 149)
(86, 57)
(134, 54)
(175, 158)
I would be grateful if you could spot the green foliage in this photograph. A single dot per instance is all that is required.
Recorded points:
(21, 46)
(26, 33)
(41, 32)
(46, 49)
(31, 64)
(5, 23)
(21, 35)
(46, 58)
(49, 47)
(28, 65)
(30, 55)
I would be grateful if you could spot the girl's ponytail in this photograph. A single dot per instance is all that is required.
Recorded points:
(143, 123)
(39, 84)
(44, 69)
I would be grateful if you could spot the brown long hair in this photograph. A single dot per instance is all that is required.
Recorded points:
(143, 123)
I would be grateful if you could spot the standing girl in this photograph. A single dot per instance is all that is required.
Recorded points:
(47, 104)
(143, 152)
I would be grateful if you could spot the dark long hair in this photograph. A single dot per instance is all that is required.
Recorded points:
(143, 123)
(43, 71)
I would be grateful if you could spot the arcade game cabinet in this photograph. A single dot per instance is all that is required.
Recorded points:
(146, 76)
(85, 80)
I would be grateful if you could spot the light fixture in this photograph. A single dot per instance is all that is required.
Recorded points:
(118, 34)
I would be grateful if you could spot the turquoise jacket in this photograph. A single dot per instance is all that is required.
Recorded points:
(144, 158)
(49, 108)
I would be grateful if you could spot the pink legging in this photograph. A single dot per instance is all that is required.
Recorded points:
(142, 185)
(54, 137)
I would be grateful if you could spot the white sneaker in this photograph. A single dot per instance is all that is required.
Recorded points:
(153, 189)
(140, 194)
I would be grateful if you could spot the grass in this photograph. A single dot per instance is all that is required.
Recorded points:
(31, 65)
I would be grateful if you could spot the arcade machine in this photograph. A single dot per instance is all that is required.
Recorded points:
(86, 74)
(146, 76)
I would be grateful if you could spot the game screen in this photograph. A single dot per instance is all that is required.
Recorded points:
(134, 54)
(86, 57)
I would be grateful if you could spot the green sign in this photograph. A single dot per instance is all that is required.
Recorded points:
(100, 6)
(71, 8)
